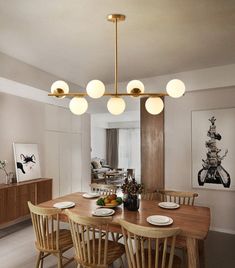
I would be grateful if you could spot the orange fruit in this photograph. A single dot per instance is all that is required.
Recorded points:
(113, 196)
(106, 200)
(114, 202)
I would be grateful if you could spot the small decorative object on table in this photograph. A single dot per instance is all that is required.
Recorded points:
(109, 201)
(131, 190)
(3, 164)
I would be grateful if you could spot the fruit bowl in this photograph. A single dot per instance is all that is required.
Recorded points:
(109, 201)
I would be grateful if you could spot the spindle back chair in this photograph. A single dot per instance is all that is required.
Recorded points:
(144, 246)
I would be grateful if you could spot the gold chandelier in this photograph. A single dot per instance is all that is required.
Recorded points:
(116, 104)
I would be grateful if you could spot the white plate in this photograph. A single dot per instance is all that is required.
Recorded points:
(67, 204)
(159, 219)
(91, 195)
(152, 220)
(103, 212)
(168, 205)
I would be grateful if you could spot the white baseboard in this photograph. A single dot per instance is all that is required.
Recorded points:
(222, 230)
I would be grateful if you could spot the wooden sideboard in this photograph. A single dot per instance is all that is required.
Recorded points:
(14, 198)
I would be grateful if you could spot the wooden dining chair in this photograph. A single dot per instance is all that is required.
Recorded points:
(181, 198)
(106, 189)
(103, 189)
(50, 239)
(143, 246)
(91, 243)
(98, 178)
(150, 195)
(130, 172)
(120, 169)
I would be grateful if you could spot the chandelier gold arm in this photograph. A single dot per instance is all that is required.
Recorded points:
(76, 94)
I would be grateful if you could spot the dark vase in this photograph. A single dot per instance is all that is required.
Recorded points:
(132, 203)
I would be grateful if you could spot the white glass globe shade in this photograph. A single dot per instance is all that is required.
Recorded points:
(175, 88)
(59, 87)
(135, 84)
(116, 105)
(95, 89)
(154, 105)
(78, 105)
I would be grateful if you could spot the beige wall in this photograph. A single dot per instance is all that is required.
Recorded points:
(22, 122)
(63, 139)
(24, 73)
(178, 152)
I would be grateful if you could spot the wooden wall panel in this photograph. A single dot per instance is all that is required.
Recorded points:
(152, 149)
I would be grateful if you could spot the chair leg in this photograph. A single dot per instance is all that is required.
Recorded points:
(42, 261)
(38, 259)
(122, 264)
(113, 237)
(184, 255)
(117, 237)
(59, 260)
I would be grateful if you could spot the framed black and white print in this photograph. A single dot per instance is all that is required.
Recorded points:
(27, 162)
(213, 149)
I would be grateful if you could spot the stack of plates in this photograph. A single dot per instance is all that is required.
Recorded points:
(159, 220)
(91, 195)
(66, 204)
(168, 205)
(103, 212)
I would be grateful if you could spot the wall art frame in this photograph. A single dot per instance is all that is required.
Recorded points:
(27, 163)
(213, 149)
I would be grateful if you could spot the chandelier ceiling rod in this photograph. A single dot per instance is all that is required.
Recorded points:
(116, 59)
(116, 105)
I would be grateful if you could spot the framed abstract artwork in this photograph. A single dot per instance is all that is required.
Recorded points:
(27, 162)
(213, 149)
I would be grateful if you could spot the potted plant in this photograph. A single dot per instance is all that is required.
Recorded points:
(3, 164)
(131, 190)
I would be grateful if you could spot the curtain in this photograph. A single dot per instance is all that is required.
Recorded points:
(112, 147)
(129, 150)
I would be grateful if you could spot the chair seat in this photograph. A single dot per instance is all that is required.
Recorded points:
(176, 260)
(65, 240)
(115, 250)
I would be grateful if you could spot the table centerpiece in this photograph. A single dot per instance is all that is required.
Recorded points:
(131, 191)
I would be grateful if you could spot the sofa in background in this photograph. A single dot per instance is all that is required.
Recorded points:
(98, 165)
(98, 170)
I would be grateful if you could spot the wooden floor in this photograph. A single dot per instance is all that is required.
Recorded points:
(17, 249)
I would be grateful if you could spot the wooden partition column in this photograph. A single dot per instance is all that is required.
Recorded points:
(152, 148)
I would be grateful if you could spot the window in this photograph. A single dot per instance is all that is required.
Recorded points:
(129, 150)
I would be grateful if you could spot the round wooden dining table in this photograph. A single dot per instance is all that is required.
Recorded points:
(194, 221)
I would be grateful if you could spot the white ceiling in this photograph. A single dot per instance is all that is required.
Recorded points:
(73, 40)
